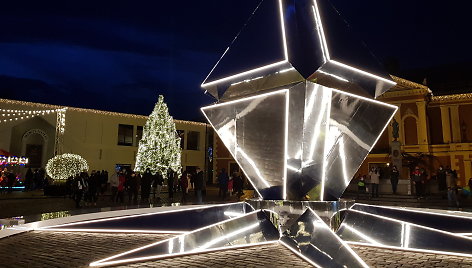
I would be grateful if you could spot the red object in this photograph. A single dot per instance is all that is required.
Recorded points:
(5, 153)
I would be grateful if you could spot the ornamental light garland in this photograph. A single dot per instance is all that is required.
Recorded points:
(64, 166)
(159, 149)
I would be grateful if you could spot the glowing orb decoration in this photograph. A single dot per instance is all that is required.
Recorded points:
(64, 166)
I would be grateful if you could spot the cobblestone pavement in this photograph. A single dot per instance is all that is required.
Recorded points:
(61, 249)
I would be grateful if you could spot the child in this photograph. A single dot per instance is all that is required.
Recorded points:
(361, 186)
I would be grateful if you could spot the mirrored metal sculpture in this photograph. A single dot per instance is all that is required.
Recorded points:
(288, 41)
(254, 228)
(369, 229)
(311, 238)
(299, 142)
(295, 108)
(158, 222)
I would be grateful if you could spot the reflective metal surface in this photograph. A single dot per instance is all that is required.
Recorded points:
(254, 131)
(159, 222)
(380, 231)
(446, 222)
(307, 37)
(310, 237)
(289, 211)
(304, 141)
(251, 229)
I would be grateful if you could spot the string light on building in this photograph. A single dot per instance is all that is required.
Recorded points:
(8, 115)
(63, 166)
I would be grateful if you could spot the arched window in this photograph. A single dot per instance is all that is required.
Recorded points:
(410, 130)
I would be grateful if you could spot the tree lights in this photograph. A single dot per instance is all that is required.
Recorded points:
(159, 149)
(64, 166)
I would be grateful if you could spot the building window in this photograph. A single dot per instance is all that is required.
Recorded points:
(181, 134)
(125, 135)
(139, 134)
(193, 138)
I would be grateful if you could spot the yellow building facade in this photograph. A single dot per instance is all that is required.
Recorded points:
(105, 139)
(437, 129)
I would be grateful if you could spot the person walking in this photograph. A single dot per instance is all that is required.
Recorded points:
(170, 184)
(394, 176)
(199, 185)
(374, 180)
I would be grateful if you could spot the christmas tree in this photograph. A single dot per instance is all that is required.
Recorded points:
(159, 149)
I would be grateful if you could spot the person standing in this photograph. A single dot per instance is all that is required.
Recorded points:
(133, 188)
(442, 186)
(114, 181)
(29, 179)
(199, 185)
(375, 180)
(121, 187)
(170, 183)
(417, 178)
(361, 189)
(223, 183)
(157, 185)
(394, 176)
(146, 185)
(183, 183)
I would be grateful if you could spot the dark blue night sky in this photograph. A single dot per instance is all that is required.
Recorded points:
(119, 55)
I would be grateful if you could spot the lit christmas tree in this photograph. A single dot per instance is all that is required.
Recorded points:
(159, 148)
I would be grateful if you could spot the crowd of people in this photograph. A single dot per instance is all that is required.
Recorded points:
(423, 184)
(132, 188)
(33, 179)
(229, 185)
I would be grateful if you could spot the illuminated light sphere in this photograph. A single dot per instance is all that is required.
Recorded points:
(64, 166)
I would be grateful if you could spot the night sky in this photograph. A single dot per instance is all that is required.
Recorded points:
(119, 55)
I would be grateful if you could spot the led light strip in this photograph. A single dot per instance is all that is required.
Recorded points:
(50, 228)
(413, 224)
(348, 248)
(412, 210)
(106, 261)
(325, 50)
(284, 42)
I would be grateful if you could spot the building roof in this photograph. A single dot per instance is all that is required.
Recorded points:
(43, 106)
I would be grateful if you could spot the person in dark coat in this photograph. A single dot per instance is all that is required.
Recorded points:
(29, 179)
(199, 185)
(394, 176)
(223, 182)
(170, 183)
(183, 183)
(146, 181)
(133, 188)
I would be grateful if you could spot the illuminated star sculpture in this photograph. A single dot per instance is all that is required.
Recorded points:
(296, 110)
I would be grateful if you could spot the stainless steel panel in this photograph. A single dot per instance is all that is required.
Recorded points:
(310, 237)
(459, 224)
(375, 230)
(289, 211)
(251, 229)
(253, 129)
(313, 150)
(308, 37)
(173, 221)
